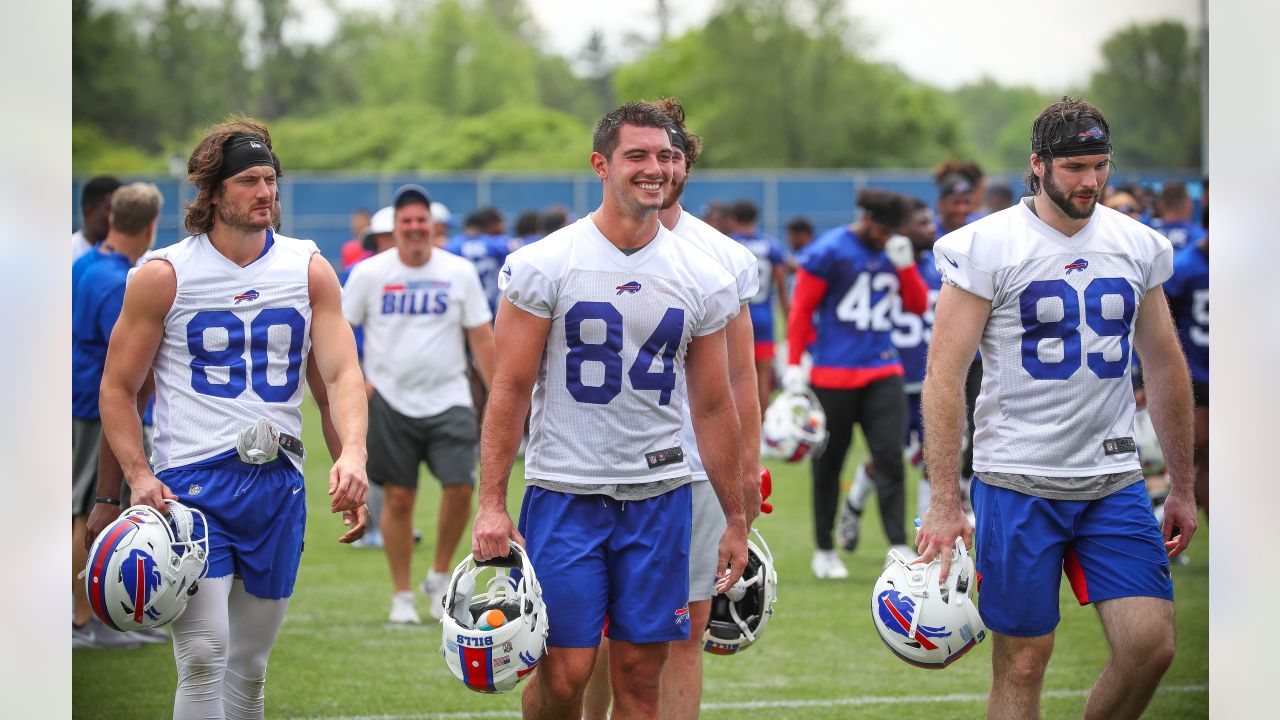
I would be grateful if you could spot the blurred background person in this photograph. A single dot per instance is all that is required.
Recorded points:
(95, 214)
(772, 263)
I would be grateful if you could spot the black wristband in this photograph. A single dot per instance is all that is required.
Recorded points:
(108, 501)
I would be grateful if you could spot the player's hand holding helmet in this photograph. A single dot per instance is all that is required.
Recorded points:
(794, 425)
(924, 621)
(144, 566)
(494, 638)
(739, 615)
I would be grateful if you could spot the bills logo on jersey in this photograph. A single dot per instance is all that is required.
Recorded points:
(249, 296)
(1080, 264)
(682, 616)
(632, 287)
(896, 612)
(1093, 133)
(141, 576)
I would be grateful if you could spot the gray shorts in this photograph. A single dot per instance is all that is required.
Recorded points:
(85, 436)
(85, 444)
(398, 444)
(704, 543)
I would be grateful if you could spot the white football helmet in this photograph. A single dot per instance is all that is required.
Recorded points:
(923, 621)
(1144, 436)
(144, 566)
(738, 615)
(494, 660)
(794, 426)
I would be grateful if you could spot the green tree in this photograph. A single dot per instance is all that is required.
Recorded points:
(996, 121)
(1149, 89)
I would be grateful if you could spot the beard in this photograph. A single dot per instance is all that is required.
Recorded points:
(1062, 198)
(673, 195)
(241, 218)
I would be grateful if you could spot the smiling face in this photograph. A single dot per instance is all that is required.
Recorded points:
(638, 172)
(413, 233)
(246, 200)
(679, 177)
(1074, 184)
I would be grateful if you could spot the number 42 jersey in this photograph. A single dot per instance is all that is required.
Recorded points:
(608, 397)
(1056, 398)
(235, 345)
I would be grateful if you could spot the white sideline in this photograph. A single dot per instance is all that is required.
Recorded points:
(769, 704)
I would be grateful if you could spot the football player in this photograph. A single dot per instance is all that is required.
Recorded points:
(771, 263)
(1057, 290)
(229, 319)
(601, 322)
(1188, 292)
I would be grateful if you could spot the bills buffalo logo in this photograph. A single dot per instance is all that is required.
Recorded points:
(1093, 133)
(896, 612)
(249, 296)
(1080, 264)
(682, 616)
(141, 577)
(632, 287)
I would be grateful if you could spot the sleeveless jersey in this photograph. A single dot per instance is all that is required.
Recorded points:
(1056, 397)
(911, 332)
(235, 348)
(741, 264)
(609, 396)
(1188, 292)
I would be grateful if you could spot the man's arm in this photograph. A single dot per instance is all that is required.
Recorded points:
(746, 400)
(333, 351)
(959, 321)
(716, 428)
(110, 476)
(134, 341)
(519, 338)
(480, 340)
(320, 394)
(1169, 400)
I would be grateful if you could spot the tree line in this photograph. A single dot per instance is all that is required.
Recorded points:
(469, 84)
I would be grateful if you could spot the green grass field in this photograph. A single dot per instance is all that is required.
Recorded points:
(336, 656)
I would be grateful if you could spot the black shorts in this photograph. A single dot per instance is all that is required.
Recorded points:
(398, 444)
(1200, 390)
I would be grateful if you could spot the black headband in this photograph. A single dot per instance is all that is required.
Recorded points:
(1082, 135)
(243, 152)
(678, 139)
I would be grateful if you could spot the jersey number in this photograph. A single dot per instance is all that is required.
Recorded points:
(856, 307)
(910, 329)
(1199, 332)
(664, 343)
(1067, 329)
(232, 357)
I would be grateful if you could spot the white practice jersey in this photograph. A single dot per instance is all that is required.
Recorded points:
(741, 264)
(1056, 398)
(235, 348)
(608, 400)
(414, 320)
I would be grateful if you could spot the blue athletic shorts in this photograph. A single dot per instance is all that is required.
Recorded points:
(596, 555)
(1108, 548)
(257, 516)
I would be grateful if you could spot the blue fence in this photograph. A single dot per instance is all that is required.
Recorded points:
(318, 206)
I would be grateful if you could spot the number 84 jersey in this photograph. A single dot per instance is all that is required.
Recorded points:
(1056, 398)
(607, 402)
(235, 346)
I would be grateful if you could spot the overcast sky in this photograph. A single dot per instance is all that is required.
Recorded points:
(1050, 45)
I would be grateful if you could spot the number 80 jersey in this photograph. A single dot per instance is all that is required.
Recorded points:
(234, 349)
(608, 397)
(1057, 348)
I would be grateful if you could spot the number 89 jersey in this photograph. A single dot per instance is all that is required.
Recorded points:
(608, 398)
(1056, 396)
(235, 345)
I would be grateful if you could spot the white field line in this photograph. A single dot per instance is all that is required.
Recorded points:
(772, 704)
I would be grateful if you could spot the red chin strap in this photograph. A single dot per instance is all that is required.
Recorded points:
(766, 489)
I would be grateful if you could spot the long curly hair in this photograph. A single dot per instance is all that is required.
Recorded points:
(205, 163)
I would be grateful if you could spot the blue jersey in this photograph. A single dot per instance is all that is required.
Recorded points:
(1182, 233)
(96, 298)
(769, 255)
(854, 315)
(911, 332)
(487, 253)
(1188, 292)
